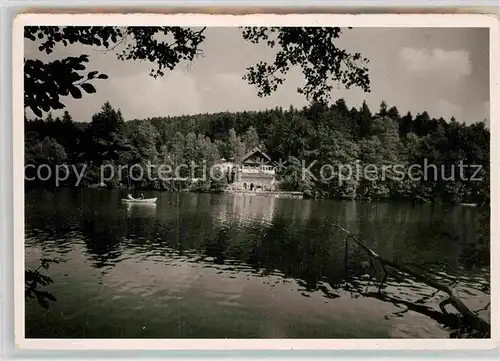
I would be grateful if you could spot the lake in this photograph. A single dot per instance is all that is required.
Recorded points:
(239, 266)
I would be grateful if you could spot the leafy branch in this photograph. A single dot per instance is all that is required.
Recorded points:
(33, 279)
(45, 83)
(313, 49)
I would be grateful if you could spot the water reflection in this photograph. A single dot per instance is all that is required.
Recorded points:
(136, 210)
(193, 246)
(247, 208)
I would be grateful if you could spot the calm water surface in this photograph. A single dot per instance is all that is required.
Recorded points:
(212, 265)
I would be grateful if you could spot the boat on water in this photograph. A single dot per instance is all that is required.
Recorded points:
(468, 204)
(139, 200)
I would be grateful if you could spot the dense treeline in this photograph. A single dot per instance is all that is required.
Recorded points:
(325, 140)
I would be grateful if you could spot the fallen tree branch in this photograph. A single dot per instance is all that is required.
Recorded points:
(453, 299)
(476, 312)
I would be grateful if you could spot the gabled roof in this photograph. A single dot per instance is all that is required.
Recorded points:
(258, 149)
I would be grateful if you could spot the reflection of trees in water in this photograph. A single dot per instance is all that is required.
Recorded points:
(108, 236)
(102, 240)
(416, 233)
(283, 246)
(313, 254)
(264, 232)
(302, 244)
(51, 222)
(217, 247)
(263, 235)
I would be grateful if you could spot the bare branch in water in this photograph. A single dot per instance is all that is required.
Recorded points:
(427, 278)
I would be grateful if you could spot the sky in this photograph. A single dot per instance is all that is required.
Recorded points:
(444, 71)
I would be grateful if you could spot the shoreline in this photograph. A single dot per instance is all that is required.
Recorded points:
(277, 194)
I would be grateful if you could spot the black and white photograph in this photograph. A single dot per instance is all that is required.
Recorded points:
(255, 182)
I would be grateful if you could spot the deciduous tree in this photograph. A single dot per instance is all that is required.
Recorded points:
(313, 49)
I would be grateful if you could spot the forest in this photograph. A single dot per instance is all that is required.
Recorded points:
(316, 134)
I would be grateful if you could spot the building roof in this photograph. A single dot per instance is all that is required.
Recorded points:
(258, 149)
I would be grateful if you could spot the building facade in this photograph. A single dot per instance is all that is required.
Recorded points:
(256, 172)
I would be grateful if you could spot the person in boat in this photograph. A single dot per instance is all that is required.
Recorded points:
(129, 196)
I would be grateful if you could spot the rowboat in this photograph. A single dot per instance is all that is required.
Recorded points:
(139, 200)
(468, 204)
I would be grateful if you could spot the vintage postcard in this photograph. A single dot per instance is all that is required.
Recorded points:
(306, 181)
